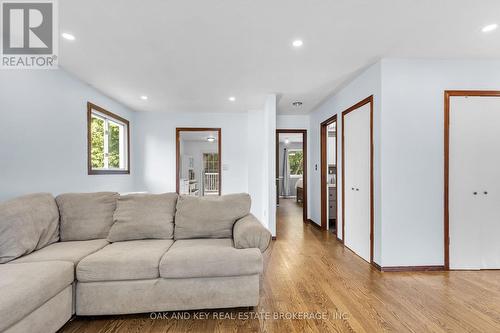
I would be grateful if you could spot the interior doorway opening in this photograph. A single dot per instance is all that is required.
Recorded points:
(198, 161)
(329, 219)
(291, 170)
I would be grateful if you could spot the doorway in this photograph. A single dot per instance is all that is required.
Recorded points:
(198, 161)
(357, 178)
(291, 169)
(472, 183)
(329, 220)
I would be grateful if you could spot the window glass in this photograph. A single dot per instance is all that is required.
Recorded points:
(114, 145)
(97, 130)
(295, 160)
(108, 142)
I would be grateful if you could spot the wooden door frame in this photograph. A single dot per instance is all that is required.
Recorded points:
(304, 176)
(447, 95)
(368, 100)
(177, 150)
(323, 161)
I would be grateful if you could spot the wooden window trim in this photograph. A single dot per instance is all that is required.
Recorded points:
(90, 107)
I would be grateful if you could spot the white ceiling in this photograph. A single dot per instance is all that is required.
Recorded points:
(189, 55)
(198, 135)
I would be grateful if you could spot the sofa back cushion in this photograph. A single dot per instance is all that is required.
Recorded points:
(27, 223)
(86, 216)
(209, 217)
(143, 216)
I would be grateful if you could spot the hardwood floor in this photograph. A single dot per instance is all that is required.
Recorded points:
(309, 273)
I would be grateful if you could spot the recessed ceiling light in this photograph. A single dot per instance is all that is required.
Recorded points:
(297, 43)
(297, 104)
(67, 36)
(490, 27)
(144, 97)
(232, 99)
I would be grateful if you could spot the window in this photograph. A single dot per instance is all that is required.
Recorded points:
(211, 162)
(295, 161)
(108, 142)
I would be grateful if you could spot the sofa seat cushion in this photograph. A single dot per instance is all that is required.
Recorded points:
(130, 260)
(27, 223)
(72, 251)
(26, 286)
(86, 216)
(192, 258)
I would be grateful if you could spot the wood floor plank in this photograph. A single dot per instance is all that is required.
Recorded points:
(308, 271)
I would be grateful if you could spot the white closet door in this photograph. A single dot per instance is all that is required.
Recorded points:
(474, 182)
(357, 181)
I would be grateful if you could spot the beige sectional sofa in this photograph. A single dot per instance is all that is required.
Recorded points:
(102, 253)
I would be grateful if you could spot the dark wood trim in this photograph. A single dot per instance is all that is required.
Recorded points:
(304, 176)
(377, 266)
(323, 173)
(314, 224)
(409, 268)
(368, 100)
(90, 107)
(177, 150)
(447, 95)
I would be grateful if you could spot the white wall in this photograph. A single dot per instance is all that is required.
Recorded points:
(366, 84)
(43, 134)
(262, 162)
(412, 152)
(270, 106)
(256, 168)
(155, 148)
(292, 121)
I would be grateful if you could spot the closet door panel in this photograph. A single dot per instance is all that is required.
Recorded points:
(474, 209)
(488, 144)
(350, 207)
(357, 180)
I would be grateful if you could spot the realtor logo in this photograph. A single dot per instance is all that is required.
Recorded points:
(29, 34)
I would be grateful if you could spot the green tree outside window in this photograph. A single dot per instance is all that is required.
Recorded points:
(295, 160)
(97, 150)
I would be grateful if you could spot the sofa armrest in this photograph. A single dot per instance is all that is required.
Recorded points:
(248, 232)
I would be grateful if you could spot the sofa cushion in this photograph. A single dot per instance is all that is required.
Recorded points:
(130, 260)
(209, 258)
(143, 216)
(209, 217)
(248, 232)
(72, 251)
(25, 287)
(27, 223)
(86, 216)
